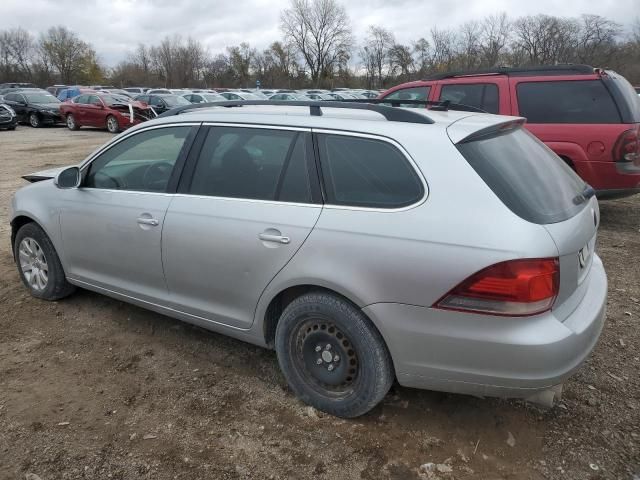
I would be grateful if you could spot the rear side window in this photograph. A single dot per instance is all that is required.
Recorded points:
(414, 93)
(583, 101)
(253, 163)
(364, 172)
(481, 95)
(527, 176)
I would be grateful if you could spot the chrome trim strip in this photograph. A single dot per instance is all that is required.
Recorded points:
(256, 125)
(146, 302)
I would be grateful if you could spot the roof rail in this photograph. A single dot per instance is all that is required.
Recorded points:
(315, 108)
(441, 106)
(563, 69)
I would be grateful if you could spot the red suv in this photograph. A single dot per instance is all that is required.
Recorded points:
(589, 117)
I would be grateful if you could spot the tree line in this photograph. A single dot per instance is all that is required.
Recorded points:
(317, 48)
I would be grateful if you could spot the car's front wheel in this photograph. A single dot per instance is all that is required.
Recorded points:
(332, 355)
(71, 122)
(112, 124)
(34, 120)
(39, 265)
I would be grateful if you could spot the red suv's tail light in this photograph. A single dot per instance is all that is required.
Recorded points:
(512, 288)
(627, 147)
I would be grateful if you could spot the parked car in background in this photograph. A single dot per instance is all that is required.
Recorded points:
(56, 89)
(101, 87)
(9, 85)
(282, 210)
(589, 117)
(203, 97)
(319, 96)
(237, 95)
(288, 97)
(341, 95)
(159, 91)
(136, 90)
(8, 117)
(35, 107)
(71, 92)
(104, 110)
(162, 102)
(118, 91)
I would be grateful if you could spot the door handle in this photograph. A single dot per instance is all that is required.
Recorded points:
(148, 221)
(266, 237)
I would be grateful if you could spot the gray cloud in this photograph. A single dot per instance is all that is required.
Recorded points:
(115, 27)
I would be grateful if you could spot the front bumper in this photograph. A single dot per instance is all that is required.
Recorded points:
(8, 122)
(486, 355)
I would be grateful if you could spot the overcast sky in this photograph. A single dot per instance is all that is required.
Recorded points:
(115, 27)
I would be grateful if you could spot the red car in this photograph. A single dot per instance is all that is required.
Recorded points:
(589, 117)
(104, 110)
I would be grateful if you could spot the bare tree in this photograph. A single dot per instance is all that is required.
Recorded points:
(375, 53)
(402, 62)
(469, 45)
(69, 55)
(494, 37)
(443, 50)
(320, 31)
(422, 53)
(241, 59)
(17, 48)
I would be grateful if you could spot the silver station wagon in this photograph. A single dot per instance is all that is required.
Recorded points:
(365, 243)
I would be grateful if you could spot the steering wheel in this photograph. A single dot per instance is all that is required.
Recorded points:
(109, 178)
(155, 173)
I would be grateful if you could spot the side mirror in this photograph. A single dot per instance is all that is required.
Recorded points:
(68, 178)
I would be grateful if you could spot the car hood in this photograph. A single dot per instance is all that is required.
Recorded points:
(43, 174)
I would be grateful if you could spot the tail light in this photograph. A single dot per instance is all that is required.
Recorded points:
(513, 288)
(627, 147)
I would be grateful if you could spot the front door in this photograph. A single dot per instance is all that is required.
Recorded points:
(244, 213)
(111, 226)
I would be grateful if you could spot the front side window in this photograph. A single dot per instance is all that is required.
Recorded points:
(142, 162)
(253, 163)
(414, 93)
(365, 172)
(583, 101)
(480, 95)
(81, 99)
(157, 102)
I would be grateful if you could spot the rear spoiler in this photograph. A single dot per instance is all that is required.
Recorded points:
(475, 127)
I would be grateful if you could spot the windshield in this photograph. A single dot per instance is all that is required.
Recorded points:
(40, 98)
(174, 100)
(531, 180)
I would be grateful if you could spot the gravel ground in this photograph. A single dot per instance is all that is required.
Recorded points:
(94, 388)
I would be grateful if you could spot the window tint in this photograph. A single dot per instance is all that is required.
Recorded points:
(253, 163)
(483, 96)
(367, 173)
(81, 99)
(11, 97)
(584, 101)
(527, 176)
(142, 162)
(415, 93)
(94, 100)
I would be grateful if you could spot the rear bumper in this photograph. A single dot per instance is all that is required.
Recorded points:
(494, 356)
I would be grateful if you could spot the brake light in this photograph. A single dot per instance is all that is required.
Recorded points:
(627, 147)
(513, 288)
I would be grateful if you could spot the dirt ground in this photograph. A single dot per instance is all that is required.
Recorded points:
(94, 388)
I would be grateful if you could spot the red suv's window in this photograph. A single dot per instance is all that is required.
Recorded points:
(414, 93)
(584, 101)
(480, 95)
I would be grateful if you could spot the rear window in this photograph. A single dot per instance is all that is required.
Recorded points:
(480, 95)
(583, 101)
(531, 180)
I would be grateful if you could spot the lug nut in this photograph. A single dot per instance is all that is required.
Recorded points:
(330, 368)
(319, 361)
(336, 358)
(328, 347)
(318, 348)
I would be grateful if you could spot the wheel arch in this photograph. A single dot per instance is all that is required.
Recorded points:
(16, 224)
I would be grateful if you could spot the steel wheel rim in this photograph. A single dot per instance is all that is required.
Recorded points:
(325, 357)
(33, 119)
(70, 121)
(112, 125)
(33, 264)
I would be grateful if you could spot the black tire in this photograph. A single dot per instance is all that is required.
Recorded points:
(34, 120)
(112, 124)
(56, 286)
(364, 369)
(71, 122)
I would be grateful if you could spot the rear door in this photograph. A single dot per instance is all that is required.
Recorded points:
(245, 206)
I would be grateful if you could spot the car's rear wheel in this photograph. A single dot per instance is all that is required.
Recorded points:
(332, 356)
(71, 122)
(39, 265)
(34, 120)
(112, 124)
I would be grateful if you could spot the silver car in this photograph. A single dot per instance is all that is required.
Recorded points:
(364, 243)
